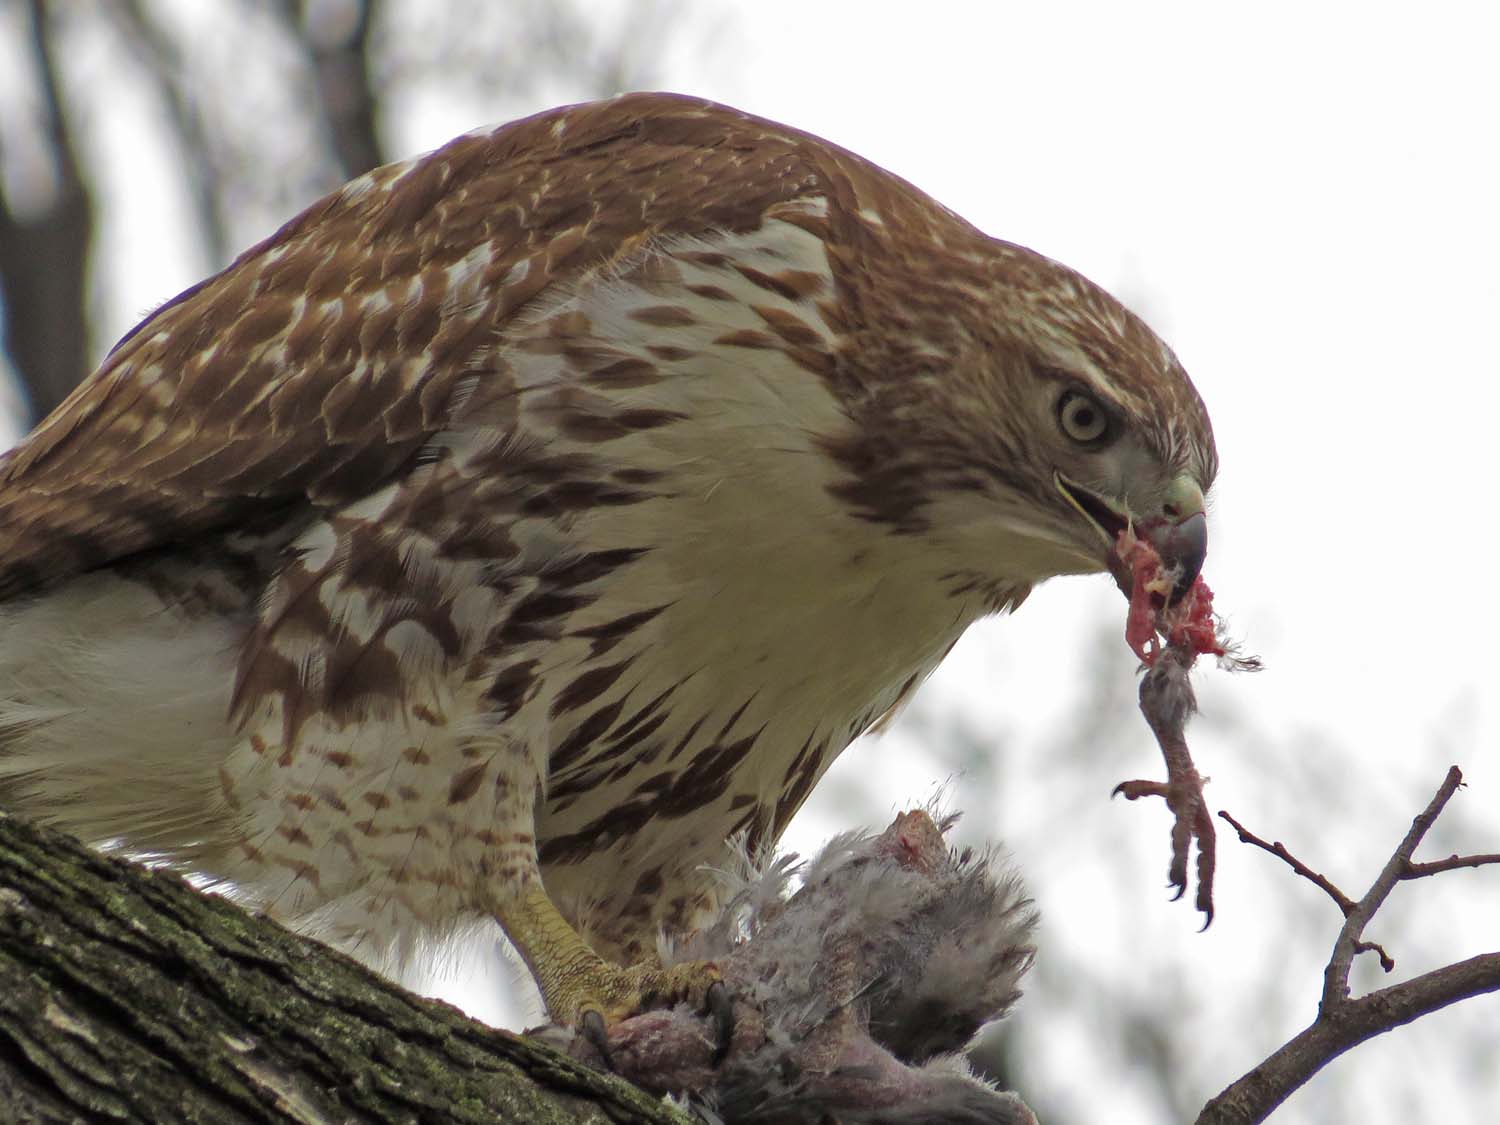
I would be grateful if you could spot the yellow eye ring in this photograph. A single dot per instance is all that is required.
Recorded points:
(1082, 419)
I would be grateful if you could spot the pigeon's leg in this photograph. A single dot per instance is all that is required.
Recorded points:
(1167, 702)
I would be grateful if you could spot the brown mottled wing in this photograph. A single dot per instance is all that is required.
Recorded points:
(320, 363)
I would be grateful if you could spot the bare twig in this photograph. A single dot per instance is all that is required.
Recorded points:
(1344, 1022)
(1278, 849)
(1452, 863)
(1336, 975)
(1387, 962)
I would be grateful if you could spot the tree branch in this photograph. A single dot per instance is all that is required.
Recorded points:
(1251, 1098)
(1336, 975)
(1452, 863)
(1278, 849)
(1343, 1022)
(126, 994)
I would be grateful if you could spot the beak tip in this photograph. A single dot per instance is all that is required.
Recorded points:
(1183, 546)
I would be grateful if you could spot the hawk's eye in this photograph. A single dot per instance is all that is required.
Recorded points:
(1082, 419)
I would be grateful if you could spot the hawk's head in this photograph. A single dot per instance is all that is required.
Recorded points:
(1034, 419)
(1119, 436)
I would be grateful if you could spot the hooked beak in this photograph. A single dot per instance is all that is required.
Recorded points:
(1178, 531)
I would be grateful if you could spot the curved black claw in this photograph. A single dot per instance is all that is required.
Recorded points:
(722, 1010)
(592, 1027)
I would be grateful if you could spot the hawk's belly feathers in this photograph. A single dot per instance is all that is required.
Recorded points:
(666, 730)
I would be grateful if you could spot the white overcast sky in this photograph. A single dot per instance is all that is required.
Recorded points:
(1303, 200)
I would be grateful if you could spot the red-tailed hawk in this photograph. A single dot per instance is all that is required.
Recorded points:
(521, 521)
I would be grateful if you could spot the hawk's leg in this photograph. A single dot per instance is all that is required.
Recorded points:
(578, 986)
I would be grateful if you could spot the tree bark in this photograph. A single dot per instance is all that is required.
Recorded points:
(126, 995)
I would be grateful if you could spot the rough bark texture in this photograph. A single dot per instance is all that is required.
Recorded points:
(126, 995)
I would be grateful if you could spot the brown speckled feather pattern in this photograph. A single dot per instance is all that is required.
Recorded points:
(554, 505)
(323, 359)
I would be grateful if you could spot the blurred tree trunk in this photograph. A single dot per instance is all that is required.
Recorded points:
(340, 61)
(245, 159)
(126, 995)
(44, 247)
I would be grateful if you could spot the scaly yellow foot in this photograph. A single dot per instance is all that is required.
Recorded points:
(584, 991)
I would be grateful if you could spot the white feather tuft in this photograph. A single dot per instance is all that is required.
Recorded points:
(113, 713)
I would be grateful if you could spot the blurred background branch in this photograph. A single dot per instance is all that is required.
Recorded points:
(46, 223)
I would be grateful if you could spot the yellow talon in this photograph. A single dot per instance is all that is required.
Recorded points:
(575, 980)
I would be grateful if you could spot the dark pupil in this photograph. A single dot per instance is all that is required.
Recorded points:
(1083, 418)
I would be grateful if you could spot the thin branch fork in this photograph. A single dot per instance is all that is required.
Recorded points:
(1343, 1022)
(1336, 975)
